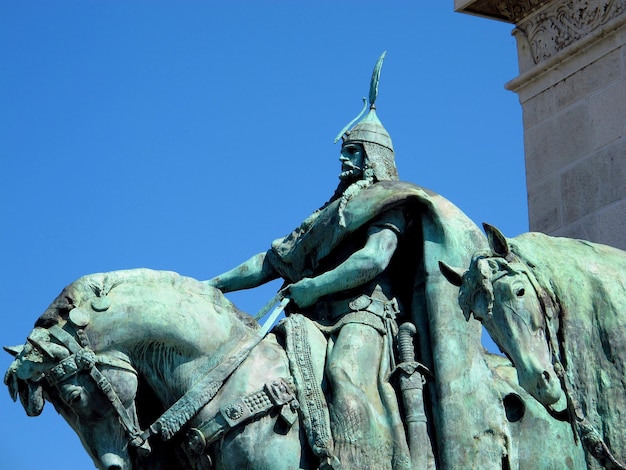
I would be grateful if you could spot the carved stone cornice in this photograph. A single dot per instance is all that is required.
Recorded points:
(549, 25)
(563, 22)
(510, 11)
(516, 10)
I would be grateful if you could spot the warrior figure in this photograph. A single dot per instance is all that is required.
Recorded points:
(347, 285)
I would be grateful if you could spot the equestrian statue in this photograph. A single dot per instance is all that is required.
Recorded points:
(373, 366)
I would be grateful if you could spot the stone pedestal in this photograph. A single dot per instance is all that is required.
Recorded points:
(572, 87)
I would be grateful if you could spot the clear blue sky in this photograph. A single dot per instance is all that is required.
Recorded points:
(187, 135)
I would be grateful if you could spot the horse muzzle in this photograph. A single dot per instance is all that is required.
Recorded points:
(111, 461)
(546, 388)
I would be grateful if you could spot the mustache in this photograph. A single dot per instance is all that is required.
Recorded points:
(350, 166)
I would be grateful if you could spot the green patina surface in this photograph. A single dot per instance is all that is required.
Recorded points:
(375, 366)
(555, 306)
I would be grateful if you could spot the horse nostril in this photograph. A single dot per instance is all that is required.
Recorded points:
(112, 462)
(546, 376)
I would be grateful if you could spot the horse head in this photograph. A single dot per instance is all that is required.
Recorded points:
(502, 293)
(92, 385)
(94, 393)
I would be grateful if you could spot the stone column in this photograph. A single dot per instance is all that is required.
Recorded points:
(572, 87)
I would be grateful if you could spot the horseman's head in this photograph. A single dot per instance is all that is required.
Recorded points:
(367, 152)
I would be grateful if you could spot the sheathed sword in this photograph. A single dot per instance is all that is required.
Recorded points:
(412, 387)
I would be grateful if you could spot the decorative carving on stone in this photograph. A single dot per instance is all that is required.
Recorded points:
(516, 10)
(562, 23)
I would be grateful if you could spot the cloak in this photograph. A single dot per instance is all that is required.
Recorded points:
(466, 415)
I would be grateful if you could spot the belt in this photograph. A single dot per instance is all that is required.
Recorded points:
(362, 303)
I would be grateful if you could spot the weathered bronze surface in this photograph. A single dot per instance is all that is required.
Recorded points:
(555, 306)
(374, 366)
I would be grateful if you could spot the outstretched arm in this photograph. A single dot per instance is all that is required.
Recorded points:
(361, 267)
(251, 273)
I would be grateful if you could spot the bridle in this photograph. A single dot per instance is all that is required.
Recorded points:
(581, 426)
(82, 358)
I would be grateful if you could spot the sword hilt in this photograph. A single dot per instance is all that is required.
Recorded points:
(406, 350)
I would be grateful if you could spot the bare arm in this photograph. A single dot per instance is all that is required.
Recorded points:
(361, 267)
(251, 273)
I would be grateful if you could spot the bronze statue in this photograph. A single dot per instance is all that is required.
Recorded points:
(155, 371)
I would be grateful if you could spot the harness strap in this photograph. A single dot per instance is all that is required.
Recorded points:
(65, 338)
(127, 422)
(279, 392)
(203, 391)
(83, 358)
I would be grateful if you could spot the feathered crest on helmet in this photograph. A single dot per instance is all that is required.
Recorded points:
(371, 119)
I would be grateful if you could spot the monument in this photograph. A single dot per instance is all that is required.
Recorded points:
(373, 367)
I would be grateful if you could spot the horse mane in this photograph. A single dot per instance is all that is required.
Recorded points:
(558, 262)
(96, 285)
(587, 281)
(136, 282)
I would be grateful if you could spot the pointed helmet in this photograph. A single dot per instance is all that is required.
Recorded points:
(372, 135)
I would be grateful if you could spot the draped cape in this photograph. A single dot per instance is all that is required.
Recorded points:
(466, 413)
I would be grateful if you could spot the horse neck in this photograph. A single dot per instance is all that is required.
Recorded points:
(169, 350)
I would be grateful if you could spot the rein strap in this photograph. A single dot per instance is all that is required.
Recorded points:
(83, 358)
(200, 394)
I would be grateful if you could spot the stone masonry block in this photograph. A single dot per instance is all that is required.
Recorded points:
(610, 225)
(608, 113)
(584, 229)
(594, 182)
(589, 79)
(616, 181)
(557, 142)
(538, 108)
(582, 189)
(544, 205)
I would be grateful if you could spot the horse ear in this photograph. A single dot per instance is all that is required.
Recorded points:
(453, 275)
(497, 241)
(13, 350)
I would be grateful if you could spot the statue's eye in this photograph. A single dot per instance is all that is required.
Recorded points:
(72, 394)
(74, 397)
(520, 292)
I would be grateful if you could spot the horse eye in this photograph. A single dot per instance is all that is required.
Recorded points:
(520, 292)
(72, 394)
(74, 397)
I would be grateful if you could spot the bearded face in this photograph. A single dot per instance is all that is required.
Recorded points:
(352, 160)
